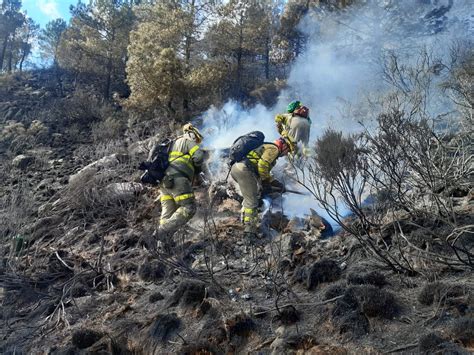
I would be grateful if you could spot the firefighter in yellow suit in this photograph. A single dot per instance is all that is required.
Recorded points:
(295, 125)
(252, 174)
(178, 204)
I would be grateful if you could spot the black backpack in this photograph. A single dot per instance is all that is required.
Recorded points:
(155, 169)
(245, 144)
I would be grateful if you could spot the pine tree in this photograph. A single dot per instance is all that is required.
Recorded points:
(11, 19)
(96, 41)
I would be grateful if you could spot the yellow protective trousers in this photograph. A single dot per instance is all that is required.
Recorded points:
(250, 188)
(178, 205)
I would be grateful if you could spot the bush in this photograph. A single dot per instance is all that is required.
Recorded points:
(375, 302)
(84, 338)
(436, 291)
(372, 278)
(335, 290)
(463, 330)
(336, 154)
(152, 271)
(164, 327)
(109, 130)
(429, 342)
(188, 293)
(325, 270)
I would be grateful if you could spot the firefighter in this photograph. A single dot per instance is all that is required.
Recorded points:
(295, 125)
(178, 204)
(253, 176)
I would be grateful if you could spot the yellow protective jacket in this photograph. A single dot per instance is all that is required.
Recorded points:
(295, 127)
(263, 159)
(185, 157)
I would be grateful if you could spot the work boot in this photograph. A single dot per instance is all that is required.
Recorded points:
(166, 241)
(149, 241)
(253, 238)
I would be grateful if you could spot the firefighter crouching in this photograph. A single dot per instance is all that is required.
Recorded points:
(253, 175)
(177, 198)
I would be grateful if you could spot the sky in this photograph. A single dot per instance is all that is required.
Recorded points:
(43, 11)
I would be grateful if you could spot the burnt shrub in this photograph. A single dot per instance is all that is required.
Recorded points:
(78, 290)
(347, 315)
(155, 297)
(429, 342)
(354, 322)
(371, 278)
(188, 293)
(462, 330)
(240, 325)
(201, 348)
(164, 327)
(84, 338)
(375, 302)
(335, 290)
(288, 315)
(152, 271)
(435, 291)
(213, 331)
(325, 270)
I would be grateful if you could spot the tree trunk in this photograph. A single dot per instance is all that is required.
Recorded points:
(239, 57)
(189, 37)
(4, 49)
(10, 58)
(267, 58)
(57, 74)
(23, 56)
(108, 80)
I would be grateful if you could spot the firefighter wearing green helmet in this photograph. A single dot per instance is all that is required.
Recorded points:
(295, 124)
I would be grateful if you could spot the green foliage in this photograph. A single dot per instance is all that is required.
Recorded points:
(96, 41)
(111, 129)
(50, 38)
(157, 81)
(16, 33)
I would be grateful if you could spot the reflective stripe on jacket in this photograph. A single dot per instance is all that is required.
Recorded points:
(264, 159)
(295, 127)
(184, 157)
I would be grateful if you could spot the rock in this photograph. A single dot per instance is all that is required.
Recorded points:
(108, 162)
(22, 161)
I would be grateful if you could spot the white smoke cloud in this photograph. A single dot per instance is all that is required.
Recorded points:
(341, 65)
(49, 8)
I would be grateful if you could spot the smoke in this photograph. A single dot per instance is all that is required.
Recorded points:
(341, 65)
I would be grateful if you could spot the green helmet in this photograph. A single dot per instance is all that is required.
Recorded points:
(293, 105)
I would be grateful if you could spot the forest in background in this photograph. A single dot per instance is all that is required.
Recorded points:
(122, 75)
(172, 58)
